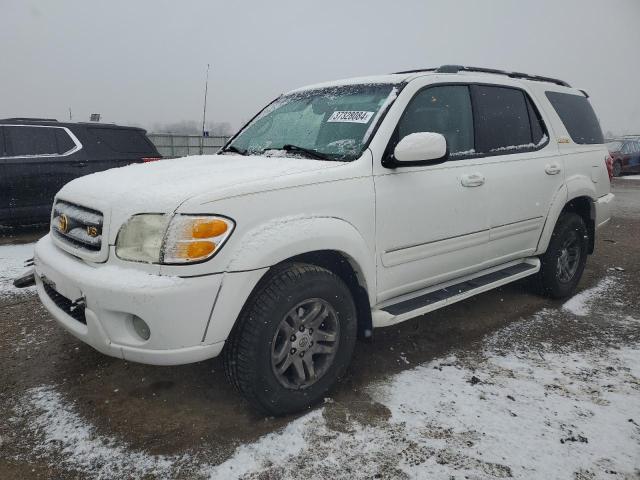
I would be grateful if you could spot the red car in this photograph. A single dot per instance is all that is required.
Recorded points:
(626, 156)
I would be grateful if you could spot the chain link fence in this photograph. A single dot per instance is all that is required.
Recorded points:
(170, 145)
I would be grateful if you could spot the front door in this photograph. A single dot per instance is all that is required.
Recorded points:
(432, 222)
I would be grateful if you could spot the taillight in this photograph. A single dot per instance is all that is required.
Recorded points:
(150, 159)
(608, 160)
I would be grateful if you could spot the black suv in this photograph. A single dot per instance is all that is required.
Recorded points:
(39, 156)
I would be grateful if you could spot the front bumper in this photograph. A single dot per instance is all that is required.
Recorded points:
(177, 310)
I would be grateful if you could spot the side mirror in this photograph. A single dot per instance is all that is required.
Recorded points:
(421, 147)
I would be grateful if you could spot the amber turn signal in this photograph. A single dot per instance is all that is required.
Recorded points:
(195, 250)
(208, 228)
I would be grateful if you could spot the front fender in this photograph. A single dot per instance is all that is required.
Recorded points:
(280, 239)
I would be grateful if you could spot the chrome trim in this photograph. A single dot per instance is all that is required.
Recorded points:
(76, 148)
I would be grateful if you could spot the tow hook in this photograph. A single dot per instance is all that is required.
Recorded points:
(27, 279)
(80, 302)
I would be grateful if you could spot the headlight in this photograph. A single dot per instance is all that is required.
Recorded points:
(140, 239)
(154, 238)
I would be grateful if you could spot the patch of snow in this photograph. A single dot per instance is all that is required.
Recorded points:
(629, 177)
(12, 258)
(162, 186)
(465, 152)
(542, 141)
(580, 304)
(65, 432)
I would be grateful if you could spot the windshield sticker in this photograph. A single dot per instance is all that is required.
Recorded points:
(351, 117)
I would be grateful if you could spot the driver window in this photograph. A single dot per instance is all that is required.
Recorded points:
(446, 110)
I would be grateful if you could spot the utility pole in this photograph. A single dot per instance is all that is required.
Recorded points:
(204, 110)
(70, 117)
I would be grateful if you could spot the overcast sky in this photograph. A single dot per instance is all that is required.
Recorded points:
(143, 62)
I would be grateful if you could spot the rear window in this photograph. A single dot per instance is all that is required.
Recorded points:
(578, 117)
(27, 141)
(124, 140)
(64, 141)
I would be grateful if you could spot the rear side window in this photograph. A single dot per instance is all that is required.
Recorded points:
(27, 141)
(578, 117)
(446, 110)
(64, 141)
(124, 140)
(505, 120)
(2, 149)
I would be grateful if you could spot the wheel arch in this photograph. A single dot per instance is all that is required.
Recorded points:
(348, 270)
(327, 242)
(580, 202)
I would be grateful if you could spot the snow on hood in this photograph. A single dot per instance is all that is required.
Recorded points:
(163, 185)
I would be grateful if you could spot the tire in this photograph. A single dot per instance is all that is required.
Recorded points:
(564, 261)
(269, 327)
(617, 169)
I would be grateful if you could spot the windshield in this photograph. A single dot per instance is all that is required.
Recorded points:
(332, 123)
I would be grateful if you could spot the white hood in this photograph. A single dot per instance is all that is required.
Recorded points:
(160, 187)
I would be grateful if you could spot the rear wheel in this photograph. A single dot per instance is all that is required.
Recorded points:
(565, 258)
(294, 339)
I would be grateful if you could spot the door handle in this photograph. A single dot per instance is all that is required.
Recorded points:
(80, 164)
(472, 180)
(552, 169)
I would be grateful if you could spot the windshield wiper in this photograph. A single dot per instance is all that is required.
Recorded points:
(231, 148)
(296, 149)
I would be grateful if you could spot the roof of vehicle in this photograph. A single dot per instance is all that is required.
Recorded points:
(53, 121)
(407, 75)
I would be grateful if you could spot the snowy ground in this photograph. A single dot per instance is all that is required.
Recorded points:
(504, 385)
(505, 410)
(629, 177)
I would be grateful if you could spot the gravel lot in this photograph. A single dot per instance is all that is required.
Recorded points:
(506, 384)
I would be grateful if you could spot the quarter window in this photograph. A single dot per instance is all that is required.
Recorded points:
(503, 118)
(27, 141)
(578, 117)
(445, 109)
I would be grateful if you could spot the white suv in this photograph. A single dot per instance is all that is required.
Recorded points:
(339, 208)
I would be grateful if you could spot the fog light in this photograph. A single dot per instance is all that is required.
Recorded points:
(141, 328)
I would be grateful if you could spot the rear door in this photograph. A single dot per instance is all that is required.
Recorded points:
(35, 169)
(524, 171)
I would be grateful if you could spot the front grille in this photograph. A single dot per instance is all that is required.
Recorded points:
(79, 226)
(64, 304)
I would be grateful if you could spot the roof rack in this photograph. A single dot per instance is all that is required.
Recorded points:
(462, 68)
(28, 119)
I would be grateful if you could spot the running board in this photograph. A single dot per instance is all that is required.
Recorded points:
(435, 297)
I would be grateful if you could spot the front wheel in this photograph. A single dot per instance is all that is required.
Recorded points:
(294, 339)
(565, 258)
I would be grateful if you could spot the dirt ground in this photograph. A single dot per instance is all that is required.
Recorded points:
(174, 411)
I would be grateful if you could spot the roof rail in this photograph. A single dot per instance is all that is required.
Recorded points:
(28, 119)
(462, 68)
